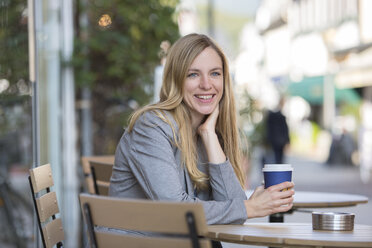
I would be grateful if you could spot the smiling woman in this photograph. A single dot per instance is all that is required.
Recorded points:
(186, 147)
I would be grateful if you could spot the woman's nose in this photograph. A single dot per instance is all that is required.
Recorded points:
(204, 83)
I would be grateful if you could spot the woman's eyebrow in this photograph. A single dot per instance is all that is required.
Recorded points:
(213, 69)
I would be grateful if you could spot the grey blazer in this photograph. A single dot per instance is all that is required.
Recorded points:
(148, 166)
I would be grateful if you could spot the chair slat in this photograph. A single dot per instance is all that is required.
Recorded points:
(90, 184)
(155, 216)
(103, 188)
(47, 205)
(85, 161)
(109, 239)
(53, 232)
(107, 159)
(101, 174)
(41, 177)
(103, 171)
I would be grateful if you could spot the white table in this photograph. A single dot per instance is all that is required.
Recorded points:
(290, 235)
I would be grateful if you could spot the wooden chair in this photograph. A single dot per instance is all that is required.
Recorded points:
(172, 224)
(86, 165)
(46, 206)
(101, 174)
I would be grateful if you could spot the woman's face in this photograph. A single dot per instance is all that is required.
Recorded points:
(203, 87)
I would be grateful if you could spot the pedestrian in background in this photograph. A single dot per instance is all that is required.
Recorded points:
(277, 132)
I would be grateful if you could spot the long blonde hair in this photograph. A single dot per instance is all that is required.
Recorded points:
(179, 60)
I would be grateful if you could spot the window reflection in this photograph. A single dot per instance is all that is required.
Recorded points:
(15, 125)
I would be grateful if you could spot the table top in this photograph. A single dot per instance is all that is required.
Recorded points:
(290, 235)
(309, 199)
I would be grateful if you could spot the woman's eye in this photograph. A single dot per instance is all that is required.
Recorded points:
(192, 74)
(216, 73)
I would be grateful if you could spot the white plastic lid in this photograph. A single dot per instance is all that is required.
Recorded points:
(277, 167)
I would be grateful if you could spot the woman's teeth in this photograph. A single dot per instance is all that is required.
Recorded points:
(205, 97)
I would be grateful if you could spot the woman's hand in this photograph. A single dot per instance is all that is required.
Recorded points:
(269, 201)
(209, 125)
(207, 131)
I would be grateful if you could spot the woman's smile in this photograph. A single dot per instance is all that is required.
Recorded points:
(205, 98)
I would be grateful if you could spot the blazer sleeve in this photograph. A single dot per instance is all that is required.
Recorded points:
(224, 183)
(152, 161)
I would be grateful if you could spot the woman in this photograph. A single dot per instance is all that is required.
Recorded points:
(186, 146)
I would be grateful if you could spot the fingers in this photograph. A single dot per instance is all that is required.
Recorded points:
(283, 194)
(212, 118)
(209, 124)
(282, 205)
(271, 200)
(282, 190)
(281, 186)
(283, 208)
(285, 201)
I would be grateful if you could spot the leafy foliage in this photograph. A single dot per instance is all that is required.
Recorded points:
(15, 99)
(13, 45)
(117, 61)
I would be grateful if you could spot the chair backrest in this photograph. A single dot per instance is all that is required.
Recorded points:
(86, 161)
(171, 224)
(46, 206)
(101, 174)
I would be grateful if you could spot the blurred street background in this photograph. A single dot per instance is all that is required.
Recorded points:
(71, 73)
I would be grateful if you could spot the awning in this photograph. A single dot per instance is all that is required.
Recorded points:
(356, 70)
(311, 89)
(361, 77)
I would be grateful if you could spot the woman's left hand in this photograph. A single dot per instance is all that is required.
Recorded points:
(272, 200)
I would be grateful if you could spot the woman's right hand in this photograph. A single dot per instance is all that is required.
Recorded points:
(207, 132)
(269, 201)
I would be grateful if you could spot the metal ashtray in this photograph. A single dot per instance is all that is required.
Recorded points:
(333, 221)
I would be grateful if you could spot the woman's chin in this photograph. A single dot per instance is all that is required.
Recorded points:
(206, 110)
(203, 112)
(206, 113)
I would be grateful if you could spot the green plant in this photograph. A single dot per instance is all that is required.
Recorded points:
(115, 55)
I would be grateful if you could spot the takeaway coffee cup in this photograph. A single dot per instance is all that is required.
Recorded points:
(277, 173)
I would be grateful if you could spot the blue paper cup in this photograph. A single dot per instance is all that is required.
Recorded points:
(277, 173)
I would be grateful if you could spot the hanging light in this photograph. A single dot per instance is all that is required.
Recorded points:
(105, 20)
